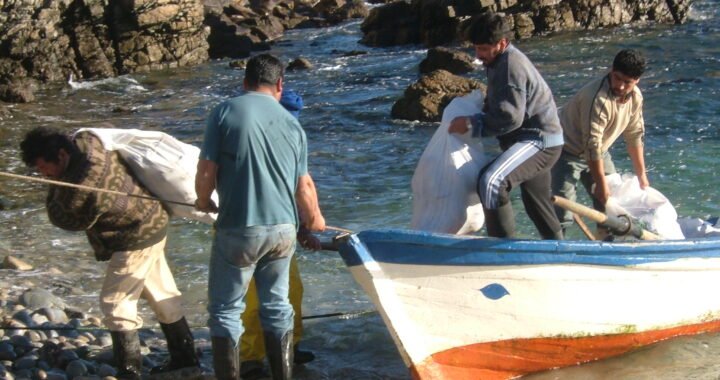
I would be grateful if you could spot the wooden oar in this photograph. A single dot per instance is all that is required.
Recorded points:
(621, 225)
(583, 227)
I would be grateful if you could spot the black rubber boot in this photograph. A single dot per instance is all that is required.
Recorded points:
(280, 355)
(302, 357)
(500, 222)
(253, 370)
(226, 358)
(126, 350)
(181, 346)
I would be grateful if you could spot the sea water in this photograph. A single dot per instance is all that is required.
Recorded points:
(362, 162)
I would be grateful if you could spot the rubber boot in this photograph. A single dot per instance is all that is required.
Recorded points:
(226, 358)
(500, 222)
(183, 361)
(253, 370)
(559, 235)
(280, 355)
(126, 350)
(301, 356)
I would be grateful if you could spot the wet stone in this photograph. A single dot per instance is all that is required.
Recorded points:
(41, 374)
(23, 374)
(34, 336)
(39, 319)
(104, 340)
(106, 370)
(7, 351)
(21, 341)
(76, 368)
(39, 298)
(54, 315)
(25, 317)
(56, 374)
(26, 362)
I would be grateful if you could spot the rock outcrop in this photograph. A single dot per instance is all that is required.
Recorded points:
(48, 41)
(240, 27)
(454, 61)
(438, 22)
(425, 99)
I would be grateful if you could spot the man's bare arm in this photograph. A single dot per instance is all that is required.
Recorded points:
(205, 184)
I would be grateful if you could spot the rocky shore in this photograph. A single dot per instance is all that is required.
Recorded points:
(51, 41)
(44, 338)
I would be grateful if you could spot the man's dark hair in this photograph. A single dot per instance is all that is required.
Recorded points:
(487, 28)
(629, 62)
(263, 69)
(45, 143)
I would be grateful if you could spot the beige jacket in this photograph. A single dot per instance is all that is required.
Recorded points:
(592, 120)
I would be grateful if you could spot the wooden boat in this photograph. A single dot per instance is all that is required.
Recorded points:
(481, 308)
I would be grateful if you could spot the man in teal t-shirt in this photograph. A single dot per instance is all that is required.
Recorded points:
(254, 153)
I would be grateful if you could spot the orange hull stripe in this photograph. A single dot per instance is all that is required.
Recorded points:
(511, 358)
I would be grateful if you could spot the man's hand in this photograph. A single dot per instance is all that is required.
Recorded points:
(459, 125)
(307, 240)
(601, 192)
(206, 205)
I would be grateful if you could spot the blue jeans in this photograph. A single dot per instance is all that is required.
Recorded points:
(237, 255)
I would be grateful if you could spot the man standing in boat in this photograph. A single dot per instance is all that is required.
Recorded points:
(520, 111)
(255, 153)
(127, 231)
(592, 120)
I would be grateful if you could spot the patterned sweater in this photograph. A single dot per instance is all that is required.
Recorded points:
(112, 222)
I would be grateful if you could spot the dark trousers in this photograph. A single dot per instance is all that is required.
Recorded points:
(525, 164)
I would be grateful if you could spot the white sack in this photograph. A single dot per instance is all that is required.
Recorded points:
(163, 164)
(649, 206)
(444, 182)
(696, 228)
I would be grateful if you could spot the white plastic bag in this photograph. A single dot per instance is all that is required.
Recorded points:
(163, 164)
(649, 206)
(444, 195)
(696, 228)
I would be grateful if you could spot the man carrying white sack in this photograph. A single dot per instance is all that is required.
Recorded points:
(443, 185)
(592, 120)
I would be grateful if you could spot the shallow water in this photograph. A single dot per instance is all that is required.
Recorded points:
(362, 162)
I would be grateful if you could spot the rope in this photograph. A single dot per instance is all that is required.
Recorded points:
(338, 315)
(89, 188)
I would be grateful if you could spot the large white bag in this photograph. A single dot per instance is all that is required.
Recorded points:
(649, 206)
(163, 164)
(444, 182)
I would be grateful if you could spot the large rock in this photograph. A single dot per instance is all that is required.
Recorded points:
(438, 22)
(90, 39)
(39, 298)
(12, 262)
(425, 99)
(454, 61)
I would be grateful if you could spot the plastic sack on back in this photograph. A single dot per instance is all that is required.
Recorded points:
(649, 206)
(443, 185)
(164, 165)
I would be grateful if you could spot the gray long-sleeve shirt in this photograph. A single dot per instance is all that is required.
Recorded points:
(519, 104)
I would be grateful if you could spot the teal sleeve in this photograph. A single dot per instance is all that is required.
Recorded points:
(210, 149)
(302, 164)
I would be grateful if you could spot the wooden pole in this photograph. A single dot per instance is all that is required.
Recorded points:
(620, 225)
(578, 220)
